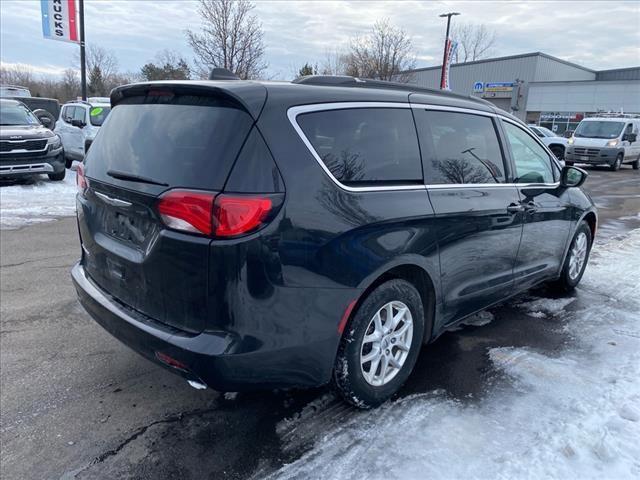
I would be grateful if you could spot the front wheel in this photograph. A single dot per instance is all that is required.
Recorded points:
(636, 164)
(380, 345)
(576, 261)
(616, 165)
(56, 177)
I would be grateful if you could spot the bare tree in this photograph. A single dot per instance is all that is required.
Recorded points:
(97, 56)
(230, 37)
(335, 63)
(18, 74)
(168, 65)
(383, 54)
(475, 42)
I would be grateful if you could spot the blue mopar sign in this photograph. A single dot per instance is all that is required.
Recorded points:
(478, 87)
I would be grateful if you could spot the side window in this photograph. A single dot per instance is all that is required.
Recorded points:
(459, 148)
(629, 129)
(80, 114)
(538, 132)
(67, 113)
(365, 145)
(532, 163)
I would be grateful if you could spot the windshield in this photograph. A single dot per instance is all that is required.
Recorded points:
(596, 129)
(98, 115)
(546, 132)
(17, 114)
(14, 92)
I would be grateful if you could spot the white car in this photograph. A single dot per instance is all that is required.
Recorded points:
(78, 125)
(556, 143)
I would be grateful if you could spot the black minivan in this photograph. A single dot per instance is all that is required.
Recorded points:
(277, 234)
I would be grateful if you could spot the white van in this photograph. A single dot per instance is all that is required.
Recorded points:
(610, 139)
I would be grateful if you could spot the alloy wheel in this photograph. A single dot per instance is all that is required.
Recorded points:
(578, 255)
(386, 343)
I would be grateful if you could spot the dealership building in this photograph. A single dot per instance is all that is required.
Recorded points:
(541, 89)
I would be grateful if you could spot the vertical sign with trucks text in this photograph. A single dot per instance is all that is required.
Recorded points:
(450, 52)
(59, 20)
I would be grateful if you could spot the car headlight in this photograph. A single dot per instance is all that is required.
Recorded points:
(571, 141)
(613, 143)
(54, 142)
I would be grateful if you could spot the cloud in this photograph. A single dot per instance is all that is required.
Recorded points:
(598, 35)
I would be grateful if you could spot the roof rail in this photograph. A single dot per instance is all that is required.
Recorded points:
(612, 115)
(79, 101)
(348, 81)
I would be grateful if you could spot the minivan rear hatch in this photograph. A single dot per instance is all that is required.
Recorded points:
(156, 138)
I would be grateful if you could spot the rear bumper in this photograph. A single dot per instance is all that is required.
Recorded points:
(603, 155)
(209, 356)
(21, 166)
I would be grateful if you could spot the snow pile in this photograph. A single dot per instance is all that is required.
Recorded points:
(40, 201)
(546, 306)
(576, 415)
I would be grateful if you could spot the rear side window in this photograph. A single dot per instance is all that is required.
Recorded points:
(459, 148)
(533, 164)
(188, 142)
(363, 146)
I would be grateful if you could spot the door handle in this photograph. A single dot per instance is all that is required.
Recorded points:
(530, 207)
(515, 208)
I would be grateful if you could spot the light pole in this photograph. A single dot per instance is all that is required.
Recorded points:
(446, 40)
(83, 61)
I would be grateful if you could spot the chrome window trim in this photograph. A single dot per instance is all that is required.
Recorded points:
(293, 112)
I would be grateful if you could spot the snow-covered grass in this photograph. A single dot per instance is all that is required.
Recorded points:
(573, 415)
(38, 201)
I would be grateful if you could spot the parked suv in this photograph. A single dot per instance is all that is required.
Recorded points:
(556, 143)
(261, 235)
(607, 139)
(78, 125)
(27, 147)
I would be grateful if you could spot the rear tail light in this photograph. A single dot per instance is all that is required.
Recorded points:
(221, 215)
(81, 180)
(187, 211)
(238, 214)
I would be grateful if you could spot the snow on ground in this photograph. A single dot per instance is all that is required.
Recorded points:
(572, 415)
(39, 201)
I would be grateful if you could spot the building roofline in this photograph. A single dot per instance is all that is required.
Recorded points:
(619, 69)
(510, 57)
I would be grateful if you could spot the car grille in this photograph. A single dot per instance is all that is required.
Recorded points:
(590, 152)
(29, 145)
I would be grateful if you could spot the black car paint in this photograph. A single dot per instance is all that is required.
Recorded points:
(275, 299)
(29, 132)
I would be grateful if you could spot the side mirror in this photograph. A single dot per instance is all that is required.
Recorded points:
(78, 123)
(629, 137)
(572, 177)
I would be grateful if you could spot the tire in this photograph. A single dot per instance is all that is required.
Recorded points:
(348, 376)
(42, 113)
(558, 151)
(68, 162)
(569, 277)
(618, 163)
(56, 177)
(636, 164)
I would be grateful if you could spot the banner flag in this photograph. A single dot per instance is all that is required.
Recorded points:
(59, 20)
(451, 50)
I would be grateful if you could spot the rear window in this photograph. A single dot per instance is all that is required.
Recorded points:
(185, 142)
(363, 146)
(97, 115)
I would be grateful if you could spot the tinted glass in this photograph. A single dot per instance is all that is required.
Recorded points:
(67, 113)
(459, 148)
(16, 114)
(596, 129)
(97, 115)
(533, 164)
(365, 145)
(188, 143)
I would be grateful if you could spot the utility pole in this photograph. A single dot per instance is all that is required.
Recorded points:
(446, 40)
(83, 61)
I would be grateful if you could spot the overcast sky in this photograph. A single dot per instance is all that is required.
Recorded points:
(598, 35)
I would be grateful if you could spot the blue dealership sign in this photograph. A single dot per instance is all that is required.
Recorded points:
(478, 87)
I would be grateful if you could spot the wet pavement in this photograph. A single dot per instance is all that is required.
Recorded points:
(76, 403)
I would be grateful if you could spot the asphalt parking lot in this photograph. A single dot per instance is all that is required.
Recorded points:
(76, 403)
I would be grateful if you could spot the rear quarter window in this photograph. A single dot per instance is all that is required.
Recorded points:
(361, 146)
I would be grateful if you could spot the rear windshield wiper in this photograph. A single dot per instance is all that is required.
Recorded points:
(131, 177)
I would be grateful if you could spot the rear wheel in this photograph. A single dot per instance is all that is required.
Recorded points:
(576, 261)
(380, 346)
(636, 164)
(56, 177)
(616, 165)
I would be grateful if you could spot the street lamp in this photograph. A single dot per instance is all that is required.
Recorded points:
(446, 39)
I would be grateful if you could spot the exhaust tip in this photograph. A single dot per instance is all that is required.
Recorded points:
(197, 385)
